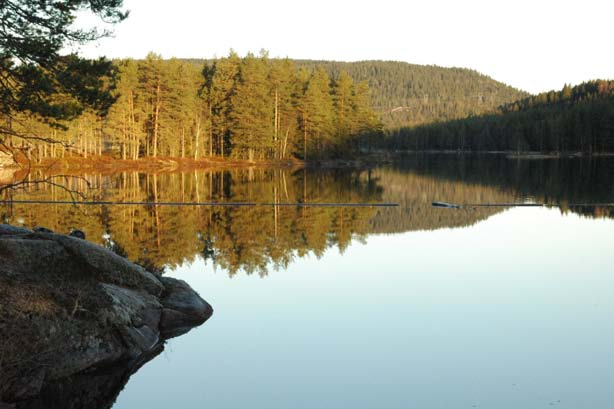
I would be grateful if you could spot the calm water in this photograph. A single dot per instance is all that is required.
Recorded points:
(408, 307)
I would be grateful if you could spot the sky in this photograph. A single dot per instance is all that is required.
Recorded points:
(534, 45)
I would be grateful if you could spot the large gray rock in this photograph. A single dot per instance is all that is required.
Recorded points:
(45, 253)
(181, 309)
(8, 229)
(70, 310)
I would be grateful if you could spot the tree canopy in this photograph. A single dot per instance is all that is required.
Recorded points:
(35, 77)
(249, 107)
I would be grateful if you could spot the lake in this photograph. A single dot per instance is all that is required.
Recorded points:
(410, 306)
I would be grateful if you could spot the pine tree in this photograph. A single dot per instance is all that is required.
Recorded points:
(123, 122)
(316, 108)
(252, 110)
(366, 125)
(220, 82)
(343, 96)
(152, 88)
(284, 90)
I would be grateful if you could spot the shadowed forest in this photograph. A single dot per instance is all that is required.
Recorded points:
(575, 119)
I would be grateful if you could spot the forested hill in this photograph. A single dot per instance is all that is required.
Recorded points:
(575, 119)
(409, 94)
(258, 108)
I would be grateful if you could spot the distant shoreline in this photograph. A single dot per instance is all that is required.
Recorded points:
(107, 164)
(507, 154)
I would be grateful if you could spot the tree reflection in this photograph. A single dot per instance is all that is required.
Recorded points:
(257, 239)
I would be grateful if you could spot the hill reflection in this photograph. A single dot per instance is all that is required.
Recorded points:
(256, 239)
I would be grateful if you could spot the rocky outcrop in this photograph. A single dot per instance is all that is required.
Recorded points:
(74, 313)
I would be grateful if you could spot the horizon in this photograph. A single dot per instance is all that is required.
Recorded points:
(366, 60)
(531, 47)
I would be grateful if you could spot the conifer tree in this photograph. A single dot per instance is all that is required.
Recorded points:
(317, 114)
(252, 110)
(124, 122)
(284, 89)
(220, 82)
(152, 88)
(344, 119)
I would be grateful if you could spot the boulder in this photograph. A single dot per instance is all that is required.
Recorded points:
(181, 310)
(73, 313)
(77, 233)
(6, 229)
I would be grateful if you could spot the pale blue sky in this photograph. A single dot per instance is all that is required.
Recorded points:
(535, 45)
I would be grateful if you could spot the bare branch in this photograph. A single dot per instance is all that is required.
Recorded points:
(75, 195)
(30, 137)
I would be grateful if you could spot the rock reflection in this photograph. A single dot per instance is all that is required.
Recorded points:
(97, 389)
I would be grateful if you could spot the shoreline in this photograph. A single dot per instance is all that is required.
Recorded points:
(106, 164)
(165, 164)
(390, 155)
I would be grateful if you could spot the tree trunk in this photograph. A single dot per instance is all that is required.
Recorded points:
(182, 143)
(156, 121)
(304, 140)
(197, 138)
(276, 148)
(222, 144)
(210, 132)
(285, 144)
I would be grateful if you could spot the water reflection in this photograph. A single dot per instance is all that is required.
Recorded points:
(256, 239)
(96, 389)
(412, 308)
(514, 312)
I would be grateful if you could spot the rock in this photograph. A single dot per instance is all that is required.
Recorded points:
(39, 229)
(8, 229)
(96, 389)
(78, 234)
(79, 314)
(183, 308)
(136, 315)
(29, 386)
(109, 266)
(22, 255)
